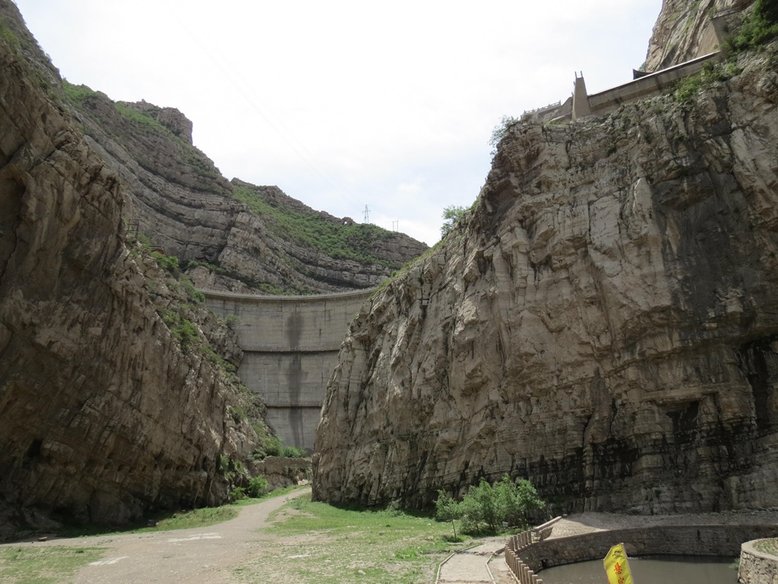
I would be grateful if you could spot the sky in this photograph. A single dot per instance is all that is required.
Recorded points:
(347, 104)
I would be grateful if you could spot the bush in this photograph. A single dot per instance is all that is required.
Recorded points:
(452, 215)
(273, 446)
(500, 131)
(516, 501)
(257, 487)
(485, 507)
(760, 27)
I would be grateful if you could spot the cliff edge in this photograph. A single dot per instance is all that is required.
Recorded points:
(604, 323)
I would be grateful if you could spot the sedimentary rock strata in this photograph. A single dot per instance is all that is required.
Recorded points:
(604, 323)
(104, 412)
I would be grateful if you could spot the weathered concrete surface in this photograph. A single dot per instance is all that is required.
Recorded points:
(290, 346)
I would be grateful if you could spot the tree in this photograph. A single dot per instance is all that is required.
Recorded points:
(447, 509)
(485, 507)
(452, 215)
(500, 130)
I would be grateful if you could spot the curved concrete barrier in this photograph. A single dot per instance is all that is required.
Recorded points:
(698, 540)
(290, 346)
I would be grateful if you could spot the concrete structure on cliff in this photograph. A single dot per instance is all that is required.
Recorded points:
(290, 346)
(646, 83)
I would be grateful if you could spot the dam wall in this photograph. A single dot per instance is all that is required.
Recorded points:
(290, 346)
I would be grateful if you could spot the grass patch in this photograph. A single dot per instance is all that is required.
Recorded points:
(195, 518)
(351, 242)
(41, 565)
(77, 94)
(318, 543)
(688, 88)
(768, 546)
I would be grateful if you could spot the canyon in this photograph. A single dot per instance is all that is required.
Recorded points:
(602, 322)
(118, 387)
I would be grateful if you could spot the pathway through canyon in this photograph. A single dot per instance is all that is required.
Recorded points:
(208, 554)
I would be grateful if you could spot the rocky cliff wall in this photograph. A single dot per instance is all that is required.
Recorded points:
(605, 323)
(105, 408)
(683, 31)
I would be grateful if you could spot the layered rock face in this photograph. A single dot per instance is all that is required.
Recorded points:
(605, 323)
(180, 201)
(103, 412)
(683, 30)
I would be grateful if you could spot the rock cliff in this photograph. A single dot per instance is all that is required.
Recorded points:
(605, 322)
(112, 400)
(229, 236)
(683, 30)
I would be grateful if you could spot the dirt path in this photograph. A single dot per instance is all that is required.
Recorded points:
(207, 554)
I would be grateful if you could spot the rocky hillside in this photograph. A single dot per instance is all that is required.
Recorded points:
(605, 322)
(115, 390)
(228, 236)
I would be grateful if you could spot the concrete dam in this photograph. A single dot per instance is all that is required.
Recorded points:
(290, 346)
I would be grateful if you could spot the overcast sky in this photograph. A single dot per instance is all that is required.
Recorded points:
(346, 103)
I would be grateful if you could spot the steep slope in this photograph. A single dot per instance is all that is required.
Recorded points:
(112, 402)
(683, 30)
(605, 323)
(228, 235)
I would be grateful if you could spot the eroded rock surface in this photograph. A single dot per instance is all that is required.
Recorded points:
(104, 413)
(180, 202)
(683, 32)
(605, 323)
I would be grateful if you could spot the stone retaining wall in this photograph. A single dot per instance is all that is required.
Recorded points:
(756, 567)
(699, 540)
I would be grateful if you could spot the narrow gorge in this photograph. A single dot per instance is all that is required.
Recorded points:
(118, 388)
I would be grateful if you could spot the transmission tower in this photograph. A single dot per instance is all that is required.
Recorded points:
(367, 214)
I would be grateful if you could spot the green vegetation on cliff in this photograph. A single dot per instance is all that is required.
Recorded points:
(348, 241)
(760, 27)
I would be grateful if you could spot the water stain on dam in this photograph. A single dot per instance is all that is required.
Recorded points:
(294, 375)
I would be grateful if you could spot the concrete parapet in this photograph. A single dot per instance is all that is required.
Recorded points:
(288, 323)
(290, 346)
(756, 567)
(699, 540)
(651, 84)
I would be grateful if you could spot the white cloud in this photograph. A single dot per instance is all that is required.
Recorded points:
(340, 103)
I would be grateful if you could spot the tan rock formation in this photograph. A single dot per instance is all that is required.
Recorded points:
(605, 323)
(103, 412)
(683, 30)
(179, 200)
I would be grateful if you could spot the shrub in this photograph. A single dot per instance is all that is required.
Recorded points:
(760, 27)
(167, 263)
(257, 486)
(273, 446)
(516, 501)
(500, 131)
(485, 507)
(452, 215)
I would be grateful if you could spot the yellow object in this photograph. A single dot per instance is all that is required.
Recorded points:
(617, 567)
